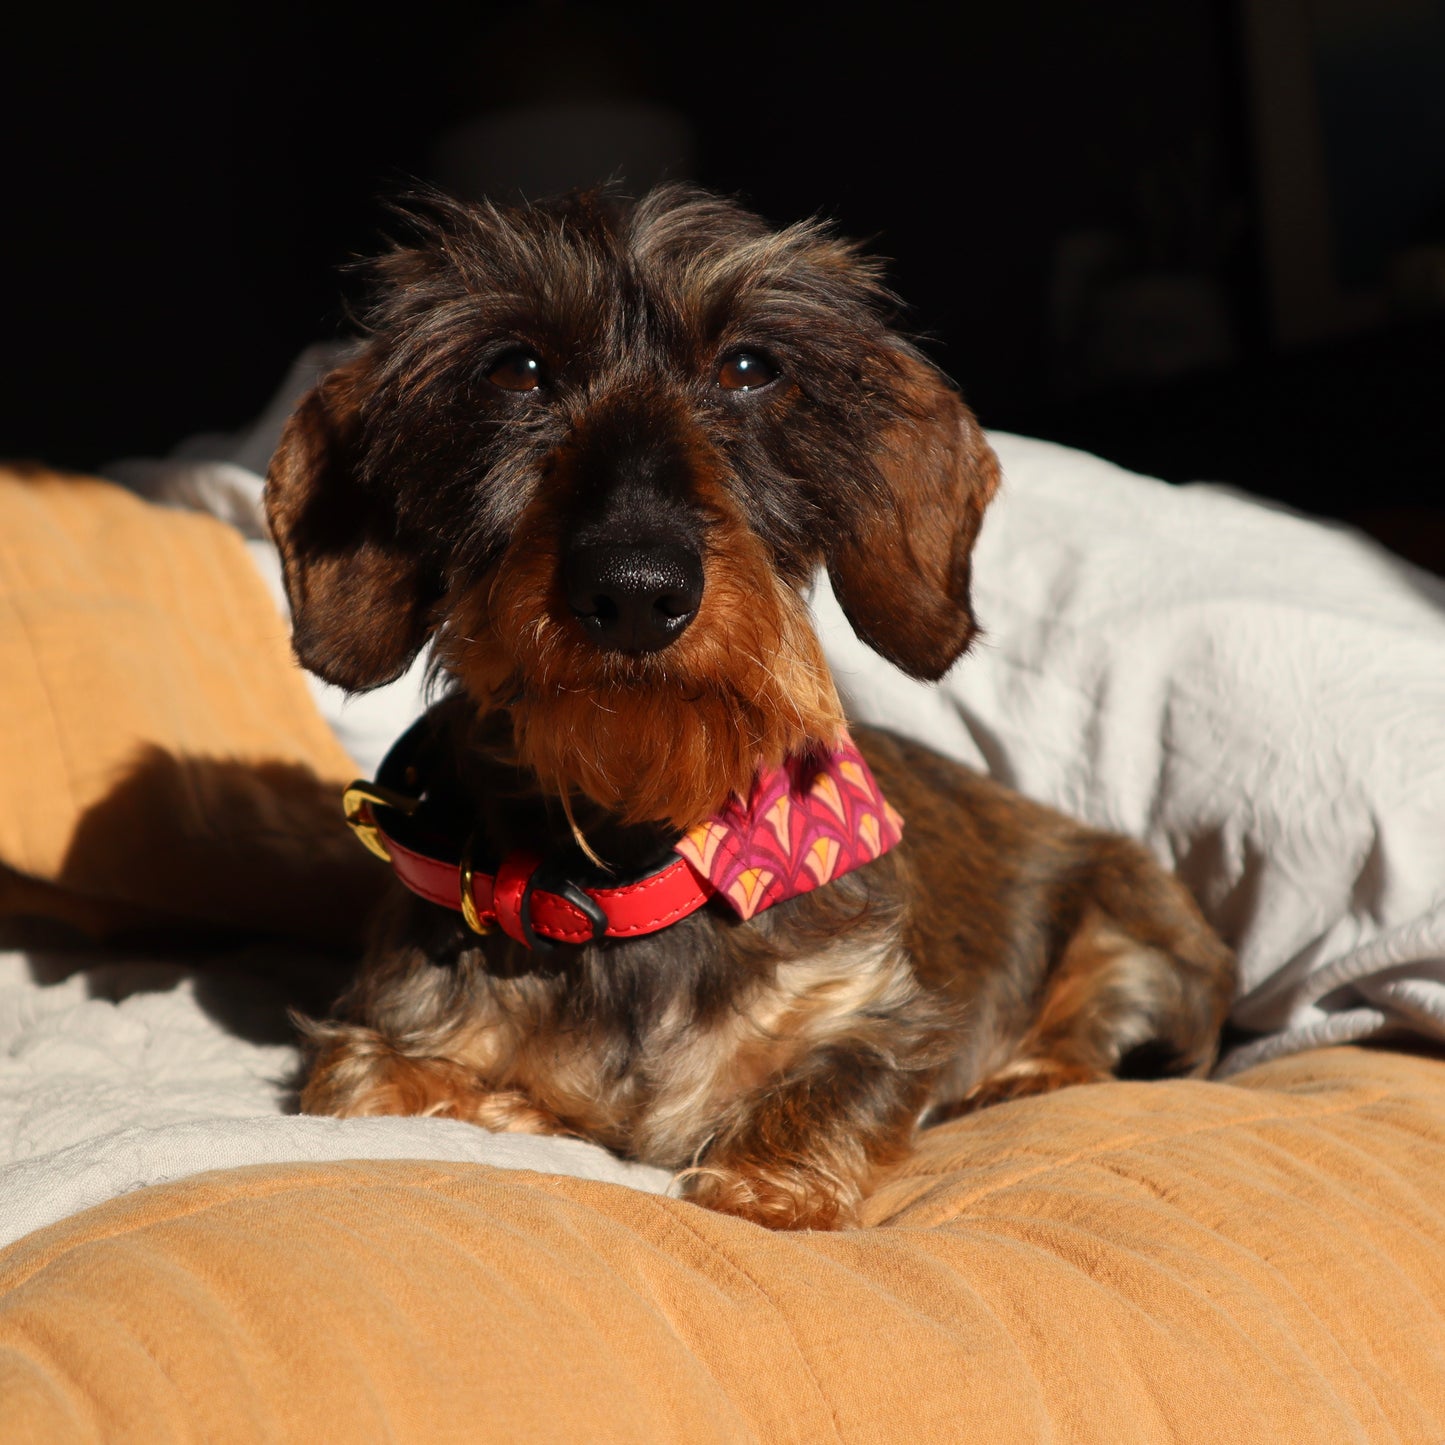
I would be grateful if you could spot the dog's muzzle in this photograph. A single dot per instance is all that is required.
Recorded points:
(633, 597)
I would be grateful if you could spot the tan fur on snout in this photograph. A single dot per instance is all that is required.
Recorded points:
(665, 737)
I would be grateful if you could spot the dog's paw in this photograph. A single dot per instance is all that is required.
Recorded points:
(1025, 1078)
(775, 1198)
(358, 1074)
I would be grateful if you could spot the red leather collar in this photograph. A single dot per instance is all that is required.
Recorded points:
(518, 901)
(802, 825)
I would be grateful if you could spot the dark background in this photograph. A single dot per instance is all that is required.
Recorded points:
(1085, 204)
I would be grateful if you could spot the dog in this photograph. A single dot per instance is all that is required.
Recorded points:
(593, 452)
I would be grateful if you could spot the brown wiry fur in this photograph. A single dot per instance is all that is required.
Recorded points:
(916, 544)
(781, 1062)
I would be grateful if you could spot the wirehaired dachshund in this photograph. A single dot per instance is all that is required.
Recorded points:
(592, 453)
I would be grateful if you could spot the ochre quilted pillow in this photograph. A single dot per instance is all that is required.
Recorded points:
(1259, 1261)
(161, 761)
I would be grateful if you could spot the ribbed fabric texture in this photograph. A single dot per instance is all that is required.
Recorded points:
(1260, 1261)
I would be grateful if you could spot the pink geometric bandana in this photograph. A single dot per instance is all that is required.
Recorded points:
(803, 824)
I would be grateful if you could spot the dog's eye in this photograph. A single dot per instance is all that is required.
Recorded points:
(516, 371)
(745, 371)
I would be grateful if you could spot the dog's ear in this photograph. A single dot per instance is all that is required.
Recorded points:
(360, 607)
(900, 564)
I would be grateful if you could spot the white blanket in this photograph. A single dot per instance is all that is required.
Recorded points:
(1259, 697)
(128, 1074)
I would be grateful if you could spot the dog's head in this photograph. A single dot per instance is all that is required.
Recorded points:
(596, 448)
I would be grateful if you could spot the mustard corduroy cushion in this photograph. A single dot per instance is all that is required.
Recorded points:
(1262, 1261)
(161, 759)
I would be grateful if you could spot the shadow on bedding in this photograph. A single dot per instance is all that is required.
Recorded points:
(214, 864)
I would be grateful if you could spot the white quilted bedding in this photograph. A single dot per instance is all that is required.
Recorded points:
(124, 1073)
(1259, 697)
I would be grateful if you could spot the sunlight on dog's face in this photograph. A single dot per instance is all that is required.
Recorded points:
(596, 449)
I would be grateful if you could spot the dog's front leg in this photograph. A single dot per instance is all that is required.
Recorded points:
(355, 1072)
(801, 1152)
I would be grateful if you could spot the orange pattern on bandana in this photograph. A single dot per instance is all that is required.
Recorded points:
(803, 824)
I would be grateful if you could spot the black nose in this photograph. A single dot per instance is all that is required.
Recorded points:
(633, 597)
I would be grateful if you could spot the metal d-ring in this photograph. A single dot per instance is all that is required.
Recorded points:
(475, 921)
(358, 802)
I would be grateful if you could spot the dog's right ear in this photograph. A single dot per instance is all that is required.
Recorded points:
(360, 604)
(901, 564)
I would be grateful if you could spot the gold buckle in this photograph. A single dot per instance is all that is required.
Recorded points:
(356, 803)
(469, 904)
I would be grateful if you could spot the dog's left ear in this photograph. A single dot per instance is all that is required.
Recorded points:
(360, 601)
(901, 564)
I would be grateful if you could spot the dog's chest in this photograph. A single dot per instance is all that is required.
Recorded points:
(651, 1050)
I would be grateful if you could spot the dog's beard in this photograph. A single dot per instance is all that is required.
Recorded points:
(663, 738)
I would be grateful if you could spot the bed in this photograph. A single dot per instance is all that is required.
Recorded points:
(1259, 1257)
